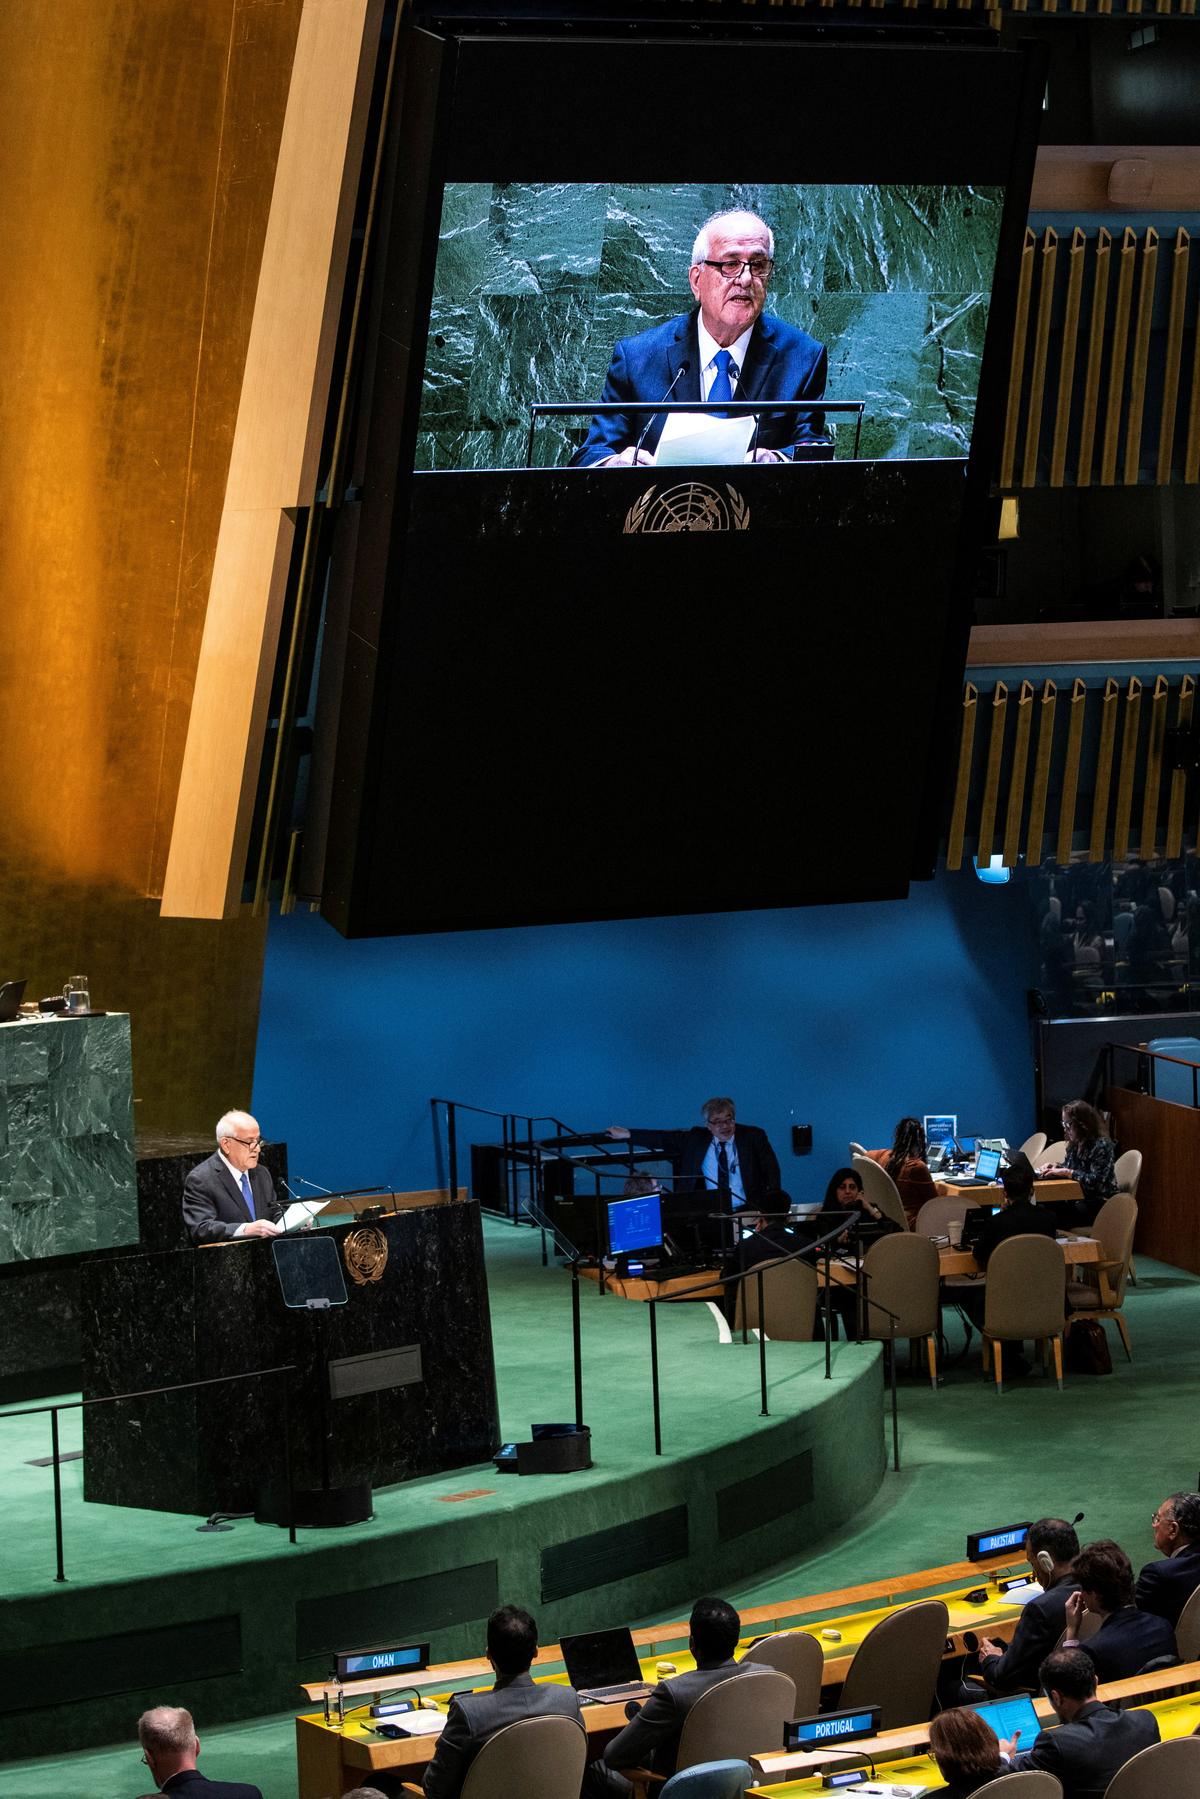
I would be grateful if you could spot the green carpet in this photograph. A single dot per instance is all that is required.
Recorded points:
(1108, 1447)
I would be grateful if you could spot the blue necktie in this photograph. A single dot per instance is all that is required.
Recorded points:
(247, 1195)
(722, 387)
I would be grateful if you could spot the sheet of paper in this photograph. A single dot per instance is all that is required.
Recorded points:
(420, 1724)
(697, 440)
(302, 1211)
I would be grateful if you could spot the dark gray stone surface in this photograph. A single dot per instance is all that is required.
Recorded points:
(160, 1319)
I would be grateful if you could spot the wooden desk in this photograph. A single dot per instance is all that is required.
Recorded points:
(644, 1287)
(331, 1760)
(952, 1262)
(1049, 1192)
(902, 1754)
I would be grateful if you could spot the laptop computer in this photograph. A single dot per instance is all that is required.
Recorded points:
(974, 1220)
(987, 1165)
(603, 1665)
(11, 995)
(1008, 1716)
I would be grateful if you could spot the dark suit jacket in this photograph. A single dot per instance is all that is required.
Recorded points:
(1038, 1629)
(1165, 1587)
(782, 363)
(651, 1738)
(757, 1161)
(1018, 1220)
(191, 1784)
(474, 1717)
(1126, 1641)
(1086, 1753)
(213, 1206)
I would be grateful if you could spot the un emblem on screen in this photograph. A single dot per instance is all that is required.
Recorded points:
(691, 506)
(365, 1253)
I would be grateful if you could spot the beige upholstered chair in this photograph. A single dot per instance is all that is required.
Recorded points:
(799, 1656)
(1101, 1293)
(741, 1717)
(901, 1276)
(897, 1663)
(1127, 1171)
(1171, 1768)
(935, 1215)
(789, 1301)
(1187, 1631)
(856, 1149)
(1026, 1296)
(881, 1190)
(1035, 1147)
(1030, 1783)
(1054, 1153)
(540, 1758)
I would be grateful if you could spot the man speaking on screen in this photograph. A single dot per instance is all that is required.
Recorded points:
(726, 348)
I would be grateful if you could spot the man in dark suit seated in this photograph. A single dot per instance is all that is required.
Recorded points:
(170, 1747)
(651, 1738)
(727, 348)
(1018, 1215)
(1127, 1638)
(1050, 1547)
(512, 1642)
(1092, 1740)
(230, 1195)
(1165, 1587)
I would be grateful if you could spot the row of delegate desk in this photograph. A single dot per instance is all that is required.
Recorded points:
(337, 1747)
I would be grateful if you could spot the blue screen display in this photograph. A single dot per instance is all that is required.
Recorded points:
(379, 1661)
(635, 1224)
(833, 1728)
(1008, 1716)
(987, 1166)
(1003, 1539)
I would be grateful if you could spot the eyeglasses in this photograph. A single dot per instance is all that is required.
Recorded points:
(248, 1142)
(731, 266)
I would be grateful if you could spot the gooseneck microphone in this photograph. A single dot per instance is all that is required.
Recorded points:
(680, 372)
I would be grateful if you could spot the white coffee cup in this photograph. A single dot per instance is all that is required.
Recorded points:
(954, 1232)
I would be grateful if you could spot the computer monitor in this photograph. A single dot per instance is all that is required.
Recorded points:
(635, 1225)
(987, 1165)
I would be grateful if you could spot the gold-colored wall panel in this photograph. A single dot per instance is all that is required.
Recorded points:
(139, 149)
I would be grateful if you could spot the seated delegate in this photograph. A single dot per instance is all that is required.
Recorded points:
(966, 1750)
(1050, 1548)
(1092, 1740)
(1090, 1157)
(1127, 1638)
(905, 1162)
(844, 1193)
(512, 1641)
(1164, 1587)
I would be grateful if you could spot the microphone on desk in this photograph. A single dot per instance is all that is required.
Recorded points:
(316, 1189)
(680, 372)
(302, 1224)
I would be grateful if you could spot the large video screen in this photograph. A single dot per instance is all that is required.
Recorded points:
(567, 293)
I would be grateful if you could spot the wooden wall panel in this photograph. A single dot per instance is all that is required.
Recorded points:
(1169, 1191)
(139, 146)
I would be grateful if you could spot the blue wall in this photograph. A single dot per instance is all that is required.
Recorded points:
(842, 1017)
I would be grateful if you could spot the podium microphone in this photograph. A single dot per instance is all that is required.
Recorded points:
(680, 372)
(301, 1224)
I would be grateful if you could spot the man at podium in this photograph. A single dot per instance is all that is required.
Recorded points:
(726, 348)
(230, 1195)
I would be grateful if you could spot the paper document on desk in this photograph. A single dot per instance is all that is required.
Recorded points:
(421, 1724)
(696, 439)
(301, 1214)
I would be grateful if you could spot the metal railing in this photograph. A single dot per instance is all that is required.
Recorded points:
(285, 1369)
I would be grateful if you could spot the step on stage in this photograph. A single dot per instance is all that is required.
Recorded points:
(230, 1623)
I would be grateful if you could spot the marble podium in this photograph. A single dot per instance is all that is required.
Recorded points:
(158, 1320)
(67, 1179)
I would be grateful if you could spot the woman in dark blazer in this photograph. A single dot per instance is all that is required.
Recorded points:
(966, 1750)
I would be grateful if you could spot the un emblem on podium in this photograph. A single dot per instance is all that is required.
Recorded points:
(365, 1253)
(690, 506)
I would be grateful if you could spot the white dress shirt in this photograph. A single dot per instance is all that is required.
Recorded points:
(237, 1181)
(709, 1170)
(708, 355)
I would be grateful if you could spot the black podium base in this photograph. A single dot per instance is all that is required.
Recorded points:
(317, 1508)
